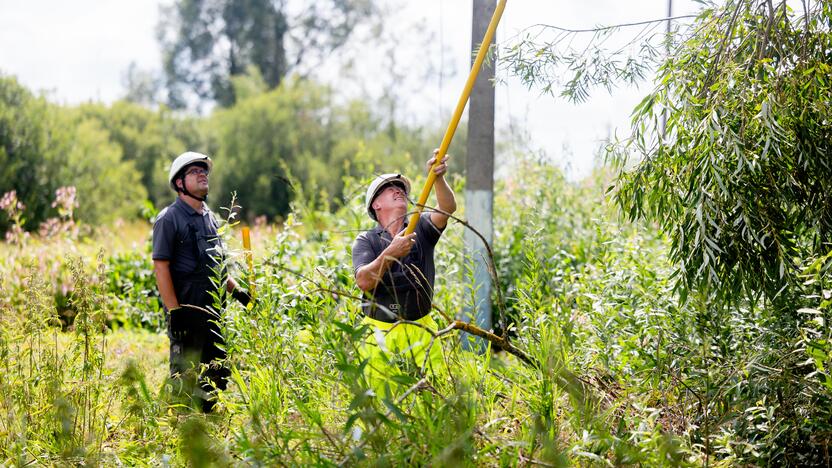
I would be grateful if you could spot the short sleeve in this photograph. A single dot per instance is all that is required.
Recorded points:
(164, 236)
(362, 252)
(427, 230)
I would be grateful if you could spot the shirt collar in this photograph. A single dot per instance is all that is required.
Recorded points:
(380, 230)
(189, 209)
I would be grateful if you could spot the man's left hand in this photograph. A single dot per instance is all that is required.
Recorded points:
(440, 168)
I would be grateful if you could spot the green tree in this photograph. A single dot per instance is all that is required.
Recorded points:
(739, 179)
(742, 179)
(741, 184)
(265, 140)
(44, 146)
(298, 134)
(205, 43)
(740, 174)
(107, 187)
(29, 136)
(149, 139)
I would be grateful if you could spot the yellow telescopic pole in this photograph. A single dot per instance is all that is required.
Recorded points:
(250, 263)
(460, 107)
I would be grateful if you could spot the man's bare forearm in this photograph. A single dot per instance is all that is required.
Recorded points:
(445, 199)
(164, 282)
(368, 276)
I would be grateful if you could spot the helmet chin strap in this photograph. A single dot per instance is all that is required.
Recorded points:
(187, 193)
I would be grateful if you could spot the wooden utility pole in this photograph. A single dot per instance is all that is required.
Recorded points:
(479, 185)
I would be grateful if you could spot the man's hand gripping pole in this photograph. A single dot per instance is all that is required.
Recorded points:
(460, 107)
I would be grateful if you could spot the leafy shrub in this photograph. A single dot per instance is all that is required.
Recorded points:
(131, 283)
(619, 370)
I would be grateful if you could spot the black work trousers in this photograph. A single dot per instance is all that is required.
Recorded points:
(196, 354)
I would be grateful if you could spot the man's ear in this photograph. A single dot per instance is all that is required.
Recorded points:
(179, 183)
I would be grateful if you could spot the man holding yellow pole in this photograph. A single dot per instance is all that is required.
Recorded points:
(393, 262)
(395, 271)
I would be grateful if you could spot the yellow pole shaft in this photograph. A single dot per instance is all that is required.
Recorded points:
(457, 115)
(250, 263)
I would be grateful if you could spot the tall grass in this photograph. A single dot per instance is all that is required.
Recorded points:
(608, 366)
(53, 397)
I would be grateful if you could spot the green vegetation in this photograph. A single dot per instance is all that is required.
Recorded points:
(569, 272)
(738, 179)
(43, 149)
(741, 186)
(624, 371)
(672, 310)
(118, 156)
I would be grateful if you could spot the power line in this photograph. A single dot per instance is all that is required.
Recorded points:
(606, 28)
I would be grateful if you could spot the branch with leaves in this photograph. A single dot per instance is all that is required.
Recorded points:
(572, 63)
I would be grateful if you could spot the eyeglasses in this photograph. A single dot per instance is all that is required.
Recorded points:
(395, 186)
(197, 171)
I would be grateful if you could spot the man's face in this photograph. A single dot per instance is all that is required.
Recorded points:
(391, 199)
(196, 180)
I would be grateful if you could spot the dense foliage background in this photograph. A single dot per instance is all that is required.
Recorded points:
(118, 156)
(672, 309)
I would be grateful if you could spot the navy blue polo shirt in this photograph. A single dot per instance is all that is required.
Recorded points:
(188, 239)
(406, 289)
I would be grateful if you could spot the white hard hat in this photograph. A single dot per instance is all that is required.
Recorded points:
(185, 159)
(379, 183)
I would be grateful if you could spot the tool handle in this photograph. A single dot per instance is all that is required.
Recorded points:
(457, 115)
(249, 263)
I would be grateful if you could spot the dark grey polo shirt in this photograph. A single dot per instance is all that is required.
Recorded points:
(188, 239)
(407, 287)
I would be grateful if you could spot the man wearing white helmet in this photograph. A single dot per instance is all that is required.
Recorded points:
(396, 272)
(187, 254)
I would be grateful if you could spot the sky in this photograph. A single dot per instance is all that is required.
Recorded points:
(79, 51)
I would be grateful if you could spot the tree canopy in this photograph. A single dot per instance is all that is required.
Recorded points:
(44, 147)
(741, 179)
(729, 154)
(117, 156)
(739, 174)
(207, 42)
